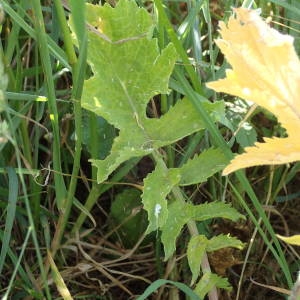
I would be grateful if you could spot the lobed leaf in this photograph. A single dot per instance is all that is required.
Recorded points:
(128, 70)
(157, 133)
(265, 70)
(160, 182)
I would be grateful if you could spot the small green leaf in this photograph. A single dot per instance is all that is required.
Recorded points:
(177, 218)
(214, 210)
(208, 281)
(246, 136)
(196, 249)
(223, 241)
(180, 214)
(157, 185)
(203, 166)
(199, 244)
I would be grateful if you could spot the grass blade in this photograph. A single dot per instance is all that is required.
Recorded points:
(42, 41)
(12, 278)
(55, 50)
(10, 215)
(158, 283)
(78, 16)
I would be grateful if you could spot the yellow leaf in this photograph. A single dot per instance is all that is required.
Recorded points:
(293, 240)
(265, 70)
(58, 279)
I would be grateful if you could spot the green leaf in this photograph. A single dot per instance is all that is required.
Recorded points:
(199, 244)
(157, 185)
(208, 281)
(223, 241)
(122, 150)
(128, 73)
(178, 217)
(214, 210)
(246, 136)
(160, 282)
(195, 251)
(128, 70)
(168, 129)
(181, 213)
(203, 166)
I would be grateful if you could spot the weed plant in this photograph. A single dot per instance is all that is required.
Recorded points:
(68, 231)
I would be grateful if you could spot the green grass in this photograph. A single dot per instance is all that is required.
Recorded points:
(60, 220)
